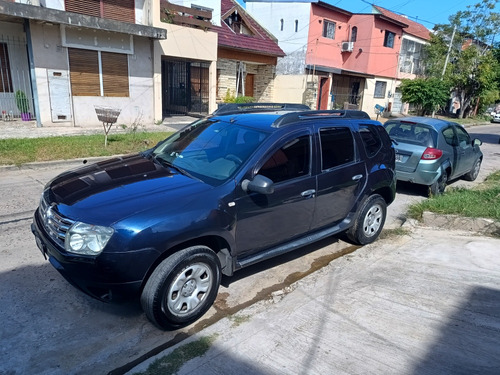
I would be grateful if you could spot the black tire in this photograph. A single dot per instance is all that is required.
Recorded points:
(474, 172)
(370, 221)
(438, 187)
(182, 288)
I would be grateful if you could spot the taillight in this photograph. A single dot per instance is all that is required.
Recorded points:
(431, 154)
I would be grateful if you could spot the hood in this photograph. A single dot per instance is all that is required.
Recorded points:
(108, 191)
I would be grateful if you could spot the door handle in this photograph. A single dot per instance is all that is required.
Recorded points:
(308, 193)
(357, 177)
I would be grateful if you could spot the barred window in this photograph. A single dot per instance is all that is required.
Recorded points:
(380, 87)
(5, 75)
(329, 29)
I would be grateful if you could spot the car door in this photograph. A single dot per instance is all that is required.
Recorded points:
(264, 221)
(340, 178)
(465, 152)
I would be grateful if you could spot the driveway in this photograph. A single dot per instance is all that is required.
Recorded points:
(425, 303)
(51, 328)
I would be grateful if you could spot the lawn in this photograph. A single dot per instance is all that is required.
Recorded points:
(481, 201)
(26, 150)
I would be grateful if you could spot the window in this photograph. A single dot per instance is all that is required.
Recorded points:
(5, 77)
(96, 73)
(296, 25)
(380, 87)
(329, 29)
(119, 10)
(281, 24)
(354, 34)
(371, 139)
(389, 39)
(449, 136)
(463, 137)
(337, 147)
(290, 161)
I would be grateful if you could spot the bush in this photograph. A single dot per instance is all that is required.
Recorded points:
(22, 102)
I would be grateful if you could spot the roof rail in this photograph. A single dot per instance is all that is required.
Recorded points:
(310, 115)
(232, 108)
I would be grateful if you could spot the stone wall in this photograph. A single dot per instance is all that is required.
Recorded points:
(263, 79)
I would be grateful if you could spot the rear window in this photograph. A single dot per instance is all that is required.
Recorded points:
(371, 139)
(413, 133)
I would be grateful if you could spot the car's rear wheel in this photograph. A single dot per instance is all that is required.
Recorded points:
(438, 187)
(474, 172)
(369, 222)
(182, 287)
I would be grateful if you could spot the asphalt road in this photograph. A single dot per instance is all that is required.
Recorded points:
(48, 327)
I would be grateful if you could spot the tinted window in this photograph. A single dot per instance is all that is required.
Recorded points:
(337, 147)
(371, 139)
(290, 161)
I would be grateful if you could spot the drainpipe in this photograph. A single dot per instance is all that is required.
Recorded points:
(34, 89)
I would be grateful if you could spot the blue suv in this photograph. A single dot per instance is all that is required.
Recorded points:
(246, 184)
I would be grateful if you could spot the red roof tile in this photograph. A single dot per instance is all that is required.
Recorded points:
(262, 42)
(414, 28)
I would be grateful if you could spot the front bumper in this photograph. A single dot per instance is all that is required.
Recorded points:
(107, 277)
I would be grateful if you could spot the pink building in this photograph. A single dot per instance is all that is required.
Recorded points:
(349, 60)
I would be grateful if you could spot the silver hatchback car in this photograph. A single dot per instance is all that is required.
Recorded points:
(431, 152)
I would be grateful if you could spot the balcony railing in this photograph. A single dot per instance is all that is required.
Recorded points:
(185, 16)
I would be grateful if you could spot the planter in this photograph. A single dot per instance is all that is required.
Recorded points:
(26, 116)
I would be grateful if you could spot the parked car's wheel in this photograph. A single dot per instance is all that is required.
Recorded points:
(369, 222)
(182, 287)
(439, 185)
(474, 172)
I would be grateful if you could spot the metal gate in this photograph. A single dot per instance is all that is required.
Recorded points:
(16, 98)
(185, 87)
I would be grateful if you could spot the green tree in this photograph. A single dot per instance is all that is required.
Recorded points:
(426, 94)
(466, 43)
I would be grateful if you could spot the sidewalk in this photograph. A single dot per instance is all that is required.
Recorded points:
(424, 303)
(28, 129)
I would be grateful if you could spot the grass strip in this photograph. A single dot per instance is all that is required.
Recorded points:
(26, 150)
(482, 201)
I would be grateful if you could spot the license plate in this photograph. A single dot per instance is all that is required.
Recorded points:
(41, 246)
(399, 157)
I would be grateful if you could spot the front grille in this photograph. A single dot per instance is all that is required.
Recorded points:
(54, 223)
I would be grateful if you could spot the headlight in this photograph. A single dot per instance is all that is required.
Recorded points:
(87, 239)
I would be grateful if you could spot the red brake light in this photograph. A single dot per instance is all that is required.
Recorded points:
(431, 154)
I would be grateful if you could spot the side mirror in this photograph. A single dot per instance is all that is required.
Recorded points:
(259, 184)
(477, 142)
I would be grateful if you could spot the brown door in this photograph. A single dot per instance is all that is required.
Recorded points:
(324, 85)
(249, 84)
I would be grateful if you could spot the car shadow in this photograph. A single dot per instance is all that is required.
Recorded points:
(486, 138)
(411, 189)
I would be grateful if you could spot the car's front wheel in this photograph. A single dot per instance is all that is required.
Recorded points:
(182, 287)
(369, 222)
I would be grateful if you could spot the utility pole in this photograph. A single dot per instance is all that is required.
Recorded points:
(449, 50)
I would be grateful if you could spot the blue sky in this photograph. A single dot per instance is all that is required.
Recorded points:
(426, 12)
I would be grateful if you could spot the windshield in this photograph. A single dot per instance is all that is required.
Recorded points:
(209, 150)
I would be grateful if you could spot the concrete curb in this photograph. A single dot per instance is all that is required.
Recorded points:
(484, 226)
(71, 163)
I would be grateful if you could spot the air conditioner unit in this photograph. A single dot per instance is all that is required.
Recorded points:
(347, 46)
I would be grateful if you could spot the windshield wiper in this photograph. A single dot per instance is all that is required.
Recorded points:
(169, 164)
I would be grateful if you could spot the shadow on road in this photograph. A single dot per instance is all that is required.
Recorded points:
(465, 344)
